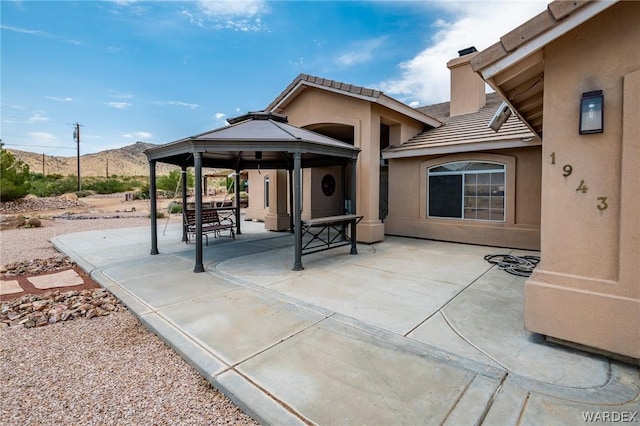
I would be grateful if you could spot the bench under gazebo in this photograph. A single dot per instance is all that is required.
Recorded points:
(257, 140)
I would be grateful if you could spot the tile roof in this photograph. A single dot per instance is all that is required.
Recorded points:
(348, 88)
(466, 132)
(367, 94)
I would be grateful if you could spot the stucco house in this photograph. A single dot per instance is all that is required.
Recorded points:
(463, 181)
(401, 148)
(572, 74)
(439, 172)
(366, 118)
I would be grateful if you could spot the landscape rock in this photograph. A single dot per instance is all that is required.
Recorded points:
(69, 196)
(49, 308)
(34, 222)
(11, 221)
(24, 205)
(37, 266)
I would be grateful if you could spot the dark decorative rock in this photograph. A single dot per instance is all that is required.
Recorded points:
(34, 222)
(49, 308)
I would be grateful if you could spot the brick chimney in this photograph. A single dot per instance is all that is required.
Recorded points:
(467, 87)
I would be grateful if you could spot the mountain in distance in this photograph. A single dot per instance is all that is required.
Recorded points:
(129, 160)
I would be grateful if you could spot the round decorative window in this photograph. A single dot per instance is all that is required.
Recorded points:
(328, 185)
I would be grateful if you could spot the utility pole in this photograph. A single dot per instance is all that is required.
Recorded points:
(43, 164)
(107, 168)
(76, 135)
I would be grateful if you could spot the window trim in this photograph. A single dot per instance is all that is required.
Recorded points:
(510, 186)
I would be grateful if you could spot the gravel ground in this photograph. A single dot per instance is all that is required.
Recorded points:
(103, 370)
(33, 243)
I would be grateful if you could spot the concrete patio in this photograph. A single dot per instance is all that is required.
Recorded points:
(406, 332)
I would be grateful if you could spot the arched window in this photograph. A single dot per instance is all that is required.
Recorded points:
(471, 190)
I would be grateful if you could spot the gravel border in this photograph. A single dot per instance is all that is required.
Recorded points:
(107, 370)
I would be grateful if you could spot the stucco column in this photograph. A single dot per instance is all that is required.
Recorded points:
(197, 162)
(297, 181)
(153, 209)
(586, 289)
(370, 229)
(277, 219)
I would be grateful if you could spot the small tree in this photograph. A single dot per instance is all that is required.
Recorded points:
(14, 177)
(169, 183)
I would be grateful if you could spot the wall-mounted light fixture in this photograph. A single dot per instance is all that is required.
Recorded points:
(592, 112)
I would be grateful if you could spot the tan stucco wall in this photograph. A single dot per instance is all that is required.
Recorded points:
(521, 228)
(315, 107)
(256, 208)
(587, 287)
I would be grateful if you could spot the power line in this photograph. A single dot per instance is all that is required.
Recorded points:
(41, 146)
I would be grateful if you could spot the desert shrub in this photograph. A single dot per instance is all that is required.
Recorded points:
(143, 192)
(14, 177)
(169, 183)
(108, 186)
(174, 208)
(244, 196)
(84, 193)
(52, 185)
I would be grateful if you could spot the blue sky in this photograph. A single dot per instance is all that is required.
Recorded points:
(155, 71)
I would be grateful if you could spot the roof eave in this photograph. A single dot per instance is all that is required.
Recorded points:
(524, 46)
(462, 147)
(505, 54)
(406, 110)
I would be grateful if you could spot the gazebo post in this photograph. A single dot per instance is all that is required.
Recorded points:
(237, 188)
(354, 249)
(297, 210)
(197, 162)
(184, 201)
(152, 197)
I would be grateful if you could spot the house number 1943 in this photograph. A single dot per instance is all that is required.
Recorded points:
(567, 170)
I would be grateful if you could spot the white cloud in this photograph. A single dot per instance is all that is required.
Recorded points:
(219, 116)
(229, 14)
(119, 105)
(177, 103)
(59, 99)
(298, 63)
(39, 33)
(38, 117)
(246, 8)
(138, 135)
(424, 79)
(42, 137)
(360, 52)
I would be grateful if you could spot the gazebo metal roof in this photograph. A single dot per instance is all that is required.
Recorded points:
(255, 140)
(252, 141)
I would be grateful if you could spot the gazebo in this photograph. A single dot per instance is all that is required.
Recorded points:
(252, 141)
